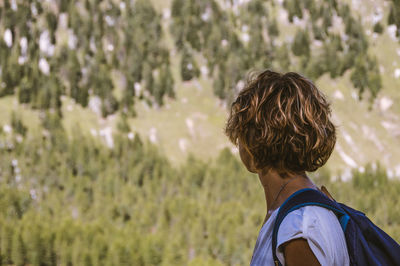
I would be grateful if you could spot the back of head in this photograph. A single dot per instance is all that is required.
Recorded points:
(283, 122)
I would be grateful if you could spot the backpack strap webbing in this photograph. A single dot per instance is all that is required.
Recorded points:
(301, 198)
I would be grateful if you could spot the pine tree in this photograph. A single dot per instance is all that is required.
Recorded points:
(128, 100)
(74, 74)
(283, 57)
(189, 69)
(326, 18)
(301, 44)
(123, 124)
(358, 77)
(17, 125)
(378, 28)
(6, 243)
(24, 91)
(293, 8)
(52, 22)
(219, 84)
(273, 30)
(18, 254)
(109, 105)
(394, 16)
(148, 77)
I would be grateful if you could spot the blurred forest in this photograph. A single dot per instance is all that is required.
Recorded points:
(63, 47)
(66, 198)
(74, 201)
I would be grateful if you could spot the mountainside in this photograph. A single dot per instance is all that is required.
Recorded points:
(365, 134)
(92, 90)
(207, 47)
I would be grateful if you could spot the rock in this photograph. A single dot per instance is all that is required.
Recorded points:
(183, 144)
(72, 40)
(131, 135)
(7, 129)
(385, 102)
(391, 29)
(166, 13)
(245, 37)
(338, 95)
(397, 73)
(204, 70)
(93, 132)
(95, 104)
(106, 133)
(8, 38)
(45, 45)
(44, 66)
(346, 158)
(153, 135)
(397, 170)
(190, 126)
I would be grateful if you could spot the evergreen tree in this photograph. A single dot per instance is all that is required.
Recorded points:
(394, 16)
(123, 124)
(189, 69)
(24, 92)
(301, 44)
(219, 84)
(273, 30)
(74, 74)
(148, 78)
(6, 243)
(293, 8)
(366, 76)
(52, 22)
(127, 102)
(17, 125)
(326, 18)
(283, 57)
(18, 249)
(378, 28)
(358, 77)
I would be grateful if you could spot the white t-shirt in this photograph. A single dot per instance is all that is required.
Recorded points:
(318, 225)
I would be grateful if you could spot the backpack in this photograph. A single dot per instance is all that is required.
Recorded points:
(366, 243)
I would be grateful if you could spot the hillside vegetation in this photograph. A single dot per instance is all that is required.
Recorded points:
(170, 68)
(112, 114)
(77, 202)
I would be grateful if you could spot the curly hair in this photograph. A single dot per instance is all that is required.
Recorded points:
(283, 121)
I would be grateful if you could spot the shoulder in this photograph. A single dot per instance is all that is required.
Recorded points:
(322, 231)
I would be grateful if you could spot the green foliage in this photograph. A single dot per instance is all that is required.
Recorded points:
(294, 9)
(108, 38)
(378, 28)
(17, 125)
(18, 249)
(366, 75)
(301, 44)
(394, 16)
(189, 68)
(251, 36)
(128, 39)
(78, 202)
(123, 124)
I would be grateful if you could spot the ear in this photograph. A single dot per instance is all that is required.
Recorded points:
(252, 161)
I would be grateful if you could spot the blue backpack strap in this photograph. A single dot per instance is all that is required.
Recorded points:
(301, 198)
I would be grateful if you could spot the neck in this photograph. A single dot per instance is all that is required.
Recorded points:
(278, 187)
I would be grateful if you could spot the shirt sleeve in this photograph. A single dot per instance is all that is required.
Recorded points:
(322, 230)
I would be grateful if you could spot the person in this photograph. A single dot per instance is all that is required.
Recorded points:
(281, 125)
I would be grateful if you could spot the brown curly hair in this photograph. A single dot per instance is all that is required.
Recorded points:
(282, 120)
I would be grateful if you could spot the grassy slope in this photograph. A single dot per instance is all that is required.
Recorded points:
(196, 102)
